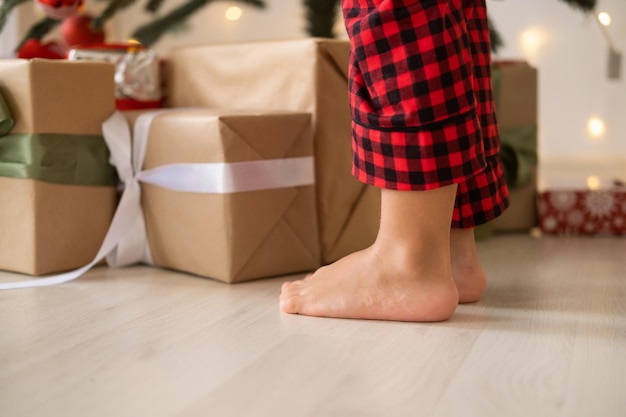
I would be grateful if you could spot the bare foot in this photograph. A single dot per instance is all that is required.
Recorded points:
(404, 276)
(372, 285)
(468, 273)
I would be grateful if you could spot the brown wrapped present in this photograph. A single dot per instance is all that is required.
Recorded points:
(515, 91)
(252, 225)
(308, 75)
(57, 188)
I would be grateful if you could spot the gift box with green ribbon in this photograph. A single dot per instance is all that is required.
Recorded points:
(515, 92)
(57, 187)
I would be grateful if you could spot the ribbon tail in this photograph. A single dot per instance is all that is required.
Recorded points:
(125, 215)
(131, 248)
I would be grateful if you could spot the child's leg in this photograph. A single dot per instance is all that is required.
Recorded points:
(479, 199)
(484, 196)
(405, 275)
(418, 126)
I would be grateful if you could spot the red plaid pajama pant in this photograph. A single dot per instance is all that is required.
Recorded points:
(421, 101)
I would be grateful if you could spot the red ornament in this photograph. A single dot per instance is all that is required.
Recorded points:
(33, 48)
(77, 31)
(59, 9)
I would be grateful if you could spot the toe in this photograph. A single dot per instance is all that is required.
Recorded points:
(289, 303)
(289, 297)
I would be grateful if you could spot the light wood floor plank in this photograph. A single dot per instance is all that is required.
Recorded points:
(549, 339)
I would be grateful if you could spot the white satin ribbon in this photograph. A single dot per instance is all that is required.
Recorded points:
(126, 242)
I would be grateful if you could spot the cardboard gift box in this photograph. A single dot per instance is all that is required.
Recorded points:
(516, 94)
(307, 75)
(234, 235)
(57, 188)
(583, 211)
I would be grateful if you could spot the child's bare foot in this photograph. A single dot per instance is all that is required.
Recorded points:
(405, 276)
(370, 284)
(468, 273)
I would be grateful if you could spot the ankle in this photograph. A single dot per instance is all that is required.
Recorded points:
(425, 262)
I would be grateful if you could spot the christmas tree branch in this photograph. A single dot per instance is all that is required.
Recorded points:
(494, 35)
(38, 30)
(148, 34)
(153, 5)
(6, 8)
(320, 17)
(584, 5)
(113, 7)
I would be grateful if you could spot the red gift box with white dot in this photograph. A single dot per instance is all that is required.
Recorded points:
(599, 212)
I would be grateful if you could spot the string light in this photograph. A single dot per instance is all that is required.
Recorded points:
(596, 127)
(604, 18)
(593, 182)
(233, 13)
(532, 40)
(615, 57)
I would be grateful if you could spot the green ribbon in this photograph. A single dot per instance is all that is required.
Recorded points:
(56, 158)
(518, 151)
(518, 146)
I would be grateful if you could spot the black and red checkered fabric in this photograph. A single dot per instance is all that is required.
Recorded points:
(421, 101)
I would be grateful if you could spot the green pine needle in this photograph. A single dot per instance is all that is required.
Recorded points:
(153, 6)
(496, 40)
(321, 16)
(38, 30)
(584, 5)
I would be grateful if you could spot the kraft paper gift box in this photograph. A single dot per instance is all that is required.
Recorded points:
(231, 236)
(515, 92)
(308, 75)
(57, 189)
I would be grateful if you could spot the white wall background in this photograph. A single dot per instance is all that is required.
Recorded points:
(571, 55)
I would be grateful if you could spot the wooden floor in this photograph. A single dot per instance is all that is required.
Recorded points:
(549, 339)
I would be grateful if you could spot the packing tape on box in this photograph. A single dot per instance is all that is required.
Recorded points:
(126, 242)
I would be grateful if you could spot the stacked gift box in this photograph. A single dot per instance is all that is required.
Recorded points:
(56, 185)
(231, 236)
(232, 108)
(255, 230)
